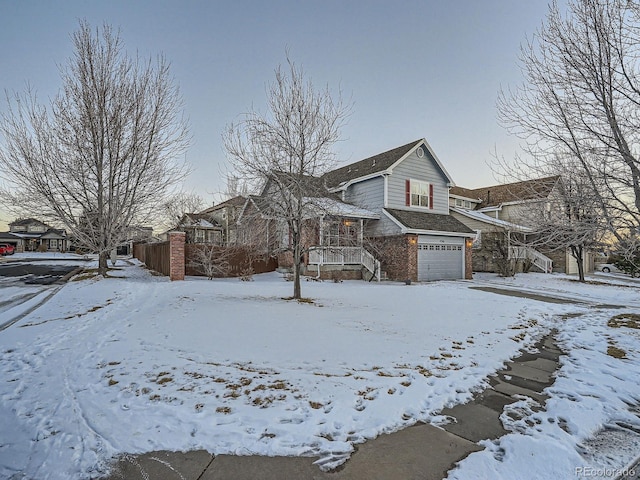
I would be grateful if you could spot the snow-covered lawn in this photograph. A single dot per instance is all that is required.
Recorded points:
(137, 363)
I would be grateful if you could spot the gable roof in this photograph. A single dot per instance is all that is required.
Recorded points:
(496, 195)
(428, 222)
(202, 220)
(368, 166)
(377, 165)
(484, 218)
(27, 221)
(462, 192)
(237, 201)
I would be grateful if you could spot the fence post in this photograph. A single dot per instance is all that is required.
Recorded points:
(176, 255)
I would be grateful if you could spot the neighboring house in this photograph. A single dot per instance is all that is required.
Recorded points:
(226, 215)
(200, 228)
(509, 211)
(30, 234)
(390, 209)
(135, 234)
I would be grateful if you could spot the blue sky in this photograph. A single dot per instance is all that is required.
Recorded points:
(412, 69)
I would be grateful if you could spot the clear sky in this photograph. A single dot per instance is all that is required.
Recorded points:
(413, 69)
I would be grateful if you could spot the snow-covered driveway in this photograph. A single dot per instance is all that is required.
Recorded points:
(138, 363)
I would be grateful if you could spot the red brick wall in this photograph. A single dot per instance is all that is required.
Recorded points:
(398, 256)
(468, 259)
(176, 255)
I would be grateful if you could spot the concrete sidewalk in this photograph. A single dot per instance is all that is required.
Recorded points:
(423, 451)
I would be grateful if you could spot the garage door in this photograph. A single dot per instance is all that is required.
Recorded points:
(440, 261)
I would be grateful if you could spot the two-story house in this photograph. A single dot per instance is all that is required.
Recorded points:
(415, 236)
(226, 214)
(387, 213)
(511, 210)
(29, 234)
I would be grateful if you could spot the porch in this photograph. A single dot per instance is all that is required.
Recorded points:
(352, 258)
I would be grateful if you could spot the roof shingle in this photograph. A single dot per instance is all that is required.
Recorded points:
(368, 166)
(429, 221)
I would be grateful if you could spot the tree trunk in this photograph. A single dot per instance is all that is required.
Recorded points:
(297, 291)
(578, 254)
(102, 263)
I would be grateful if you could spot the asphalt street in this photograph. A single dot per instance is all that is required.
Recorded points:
(24, 286)
(35, 273)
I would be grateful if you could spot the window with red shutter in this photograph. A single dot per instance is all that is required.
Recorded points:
(407, 192)
(431, 196)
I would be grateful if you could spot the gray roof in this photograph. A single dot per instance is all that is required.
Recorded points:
(368, 166)
(429, 221)
(535, 189)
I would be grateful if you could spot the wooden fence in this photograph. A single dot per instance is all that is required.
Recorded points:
(239, 260)
(156, 256)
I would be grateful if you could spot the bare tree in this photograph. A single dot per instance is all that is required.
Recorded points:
(105, 152)
(174, 208)
(580, 98)
(571, 218)
(285, 151)
(211, 261)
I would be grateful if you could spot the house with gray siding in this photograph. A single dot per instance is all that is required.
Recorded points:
(415, 237)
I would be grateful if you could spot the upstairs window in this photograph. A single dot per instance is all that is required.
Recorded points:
(419, 194)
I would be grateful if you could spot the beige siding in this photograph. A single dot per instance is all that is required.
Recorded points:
(476, 225)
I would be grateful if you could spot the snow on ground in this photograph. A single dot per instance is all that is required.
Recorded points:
(137, 363)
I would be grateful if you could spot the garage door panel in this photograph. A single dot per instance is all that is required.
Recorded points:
(437, 261)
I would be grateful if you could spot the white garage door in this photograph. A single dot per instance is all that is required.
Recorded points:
(438, 261)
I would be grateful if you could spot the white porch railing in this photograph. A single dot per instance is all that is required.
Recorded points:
(344, 256)
(541, 261)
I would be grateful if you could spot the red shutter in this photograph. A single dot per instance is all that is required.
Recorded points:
(407, 192)
(430, 195)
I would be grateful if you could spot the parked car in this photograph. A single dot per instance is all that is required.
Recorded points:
(7, 249)
(607, 268)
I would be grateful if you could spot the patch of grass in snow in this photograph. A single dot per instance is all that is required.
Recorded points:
(615, 352)
(520, 337)
(300, 300)
(628, 320)
(329, 375)
(223, 410)
(315, 405)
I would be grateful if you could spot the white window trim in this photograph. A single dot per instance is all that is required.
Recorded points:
(413, 181)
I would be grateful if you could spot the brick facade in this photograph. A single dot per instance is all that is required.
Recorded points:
(468, 259)
(398, 256)
(176, 255)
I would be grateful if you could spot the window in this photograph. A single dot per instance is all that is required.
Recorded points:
(463, 203)
(419, 194)
(199, 234)
(340, 233)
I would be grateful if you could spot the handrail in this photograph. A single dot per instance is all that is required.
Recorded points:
(344, 256)
(541, 261)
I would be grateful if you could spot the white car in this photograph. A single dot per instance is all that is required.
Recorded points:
(607, 268)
